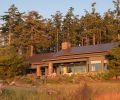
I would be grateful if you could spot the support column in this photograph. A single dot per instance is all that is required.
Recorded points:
(65, 69)
(102, 65)
(38, 71)
(58, 70)
(50, 68)
(88, 65)
(46, 71)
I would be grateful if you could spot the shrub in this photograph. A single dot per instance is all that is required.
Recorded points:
(11, 63)
(105, 75)
(7, 92)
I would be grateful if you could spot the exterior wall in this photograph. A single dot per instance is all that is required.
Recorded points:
(77, 57)
(92, 62)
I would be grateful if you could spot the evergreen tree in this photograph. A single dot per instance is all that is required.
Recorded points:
(11, 19)
(117, 17)
(68, 33)
(32, 33)
(114, 60)
(50, 32)
(93, 29)
(117, 8)
(112, 28)
(57, 23)
(11, 63)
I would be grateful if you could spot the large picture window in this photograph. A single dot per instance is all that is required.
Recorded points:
(95, 66)
(77, 68)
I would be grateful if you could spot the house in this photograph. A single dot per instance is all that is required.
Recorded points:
(82, 59)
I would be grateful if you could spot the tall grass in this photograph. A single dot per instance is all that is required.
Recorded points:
(108, 96)
(84, 91)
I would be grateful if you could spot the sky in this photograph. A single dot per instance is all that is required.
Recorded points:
(48, 7)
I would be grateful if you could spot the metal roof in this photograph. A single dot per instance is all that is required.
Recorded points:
(71, 51)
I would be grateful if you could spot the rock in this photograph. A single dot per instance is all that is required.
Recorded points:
(12, 83)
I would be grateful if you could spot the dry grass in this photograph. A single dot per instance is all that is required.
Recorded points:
(108, 96)
(84, 91)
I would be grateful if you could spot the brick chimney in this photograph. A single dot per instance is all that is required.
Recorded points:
(66, 45)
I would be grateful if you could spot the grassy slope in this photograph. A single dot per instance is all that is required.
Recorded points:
(94, 90)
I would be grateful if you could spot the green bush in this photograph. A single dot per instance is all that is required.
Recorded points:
(11, 63)
(105, 76)
(7, 92)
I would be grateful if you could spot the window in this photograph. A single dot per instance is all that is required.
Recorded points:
(95, 66)
(105, 66)
(77, 68)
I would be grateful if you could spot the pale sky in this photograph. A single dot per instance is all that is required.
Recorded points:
(48, 7)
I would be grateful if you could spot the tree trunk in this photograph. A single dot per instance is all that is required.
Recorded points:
(82, 41)
(9, 39)
(57, 41)
(100, 38)
(31, 46)
(93, 39)
(87, 40)
(9, 36)
(31, 50)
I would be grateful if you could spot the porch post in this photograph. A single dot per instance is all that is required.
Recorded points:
(58, 70)
(46, 71)
(50, 68)
(65, 69)
(38, 71)
(88, 65)
(102, 65)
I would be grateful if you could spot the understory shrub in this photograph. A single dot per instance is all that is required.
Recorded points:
(105, 76)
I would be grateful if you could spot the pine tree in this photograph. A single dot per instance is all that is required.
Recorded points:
(114, 60)
(32, 33)
(50, 31)
(11, 63)
(117, 8)
(68, 33)
(57, 23)
(117, 16)
(11, 19)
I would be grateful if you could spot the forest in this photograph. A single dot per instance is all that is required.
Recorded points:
(28, 33)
